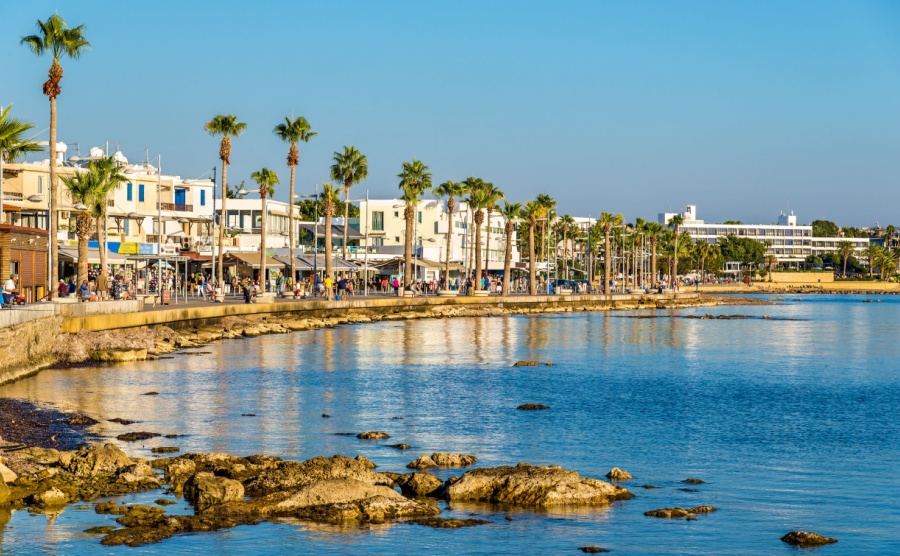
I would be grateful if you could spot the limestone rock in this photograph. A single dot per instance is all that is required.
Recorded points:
(531, 485)
(4, 493)
(99, 459)
(616, 474)
(678, 512)
(50, 497)
(807, 538)
(139, 514)
(445, 523)
(178, 471)
(291, 474)
(41, 456)
(448, 459)
(136, 472)
(422, 462)
(204, 490)
(373, 435)
(7, 474)
(418, 484)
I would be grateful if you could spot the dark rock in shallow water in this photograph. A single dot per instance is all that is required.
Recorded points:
(102, 530)
(164, 502)
(326, 416)
(151, 393)
(418, 484)
(248, 414)
(807, 538)
(527, 363)
(134, 436)
(689, 489)
(648, 487)
(345, 434)
(532, 406)
(592, 549)
(165, 449)
(79, 419)
(400, 446)
(677, 512)
(447, 523)
(694, 481)
(122, 421)
(175, 435)
(373, 435)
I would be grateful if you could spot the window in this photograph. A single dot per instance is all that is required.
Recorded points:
(378, 242)
(436, 228)
(396, 214)
(40, 184)
(397, 239)
(419, 216)
(378, 221)
(202, 197)
(140, 193)
(127, 223)
(128, 192)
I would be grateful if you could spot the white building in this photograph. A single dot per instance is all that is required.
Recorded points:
(788, 241)
(382, 221)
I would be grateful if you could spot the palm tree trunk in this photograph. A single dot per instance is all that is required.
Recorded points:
(487, 244)
(410, 214)
(674, 276)
(532, 264)
(262, 246)
(54, 203)
(606, 267)
(653, 260)
(83, 230)
(346, 215)
(291, 225)
(507, 259)
(449, 237)
(477, 281)
(100, 245)
(471, 238)
(223, 221)
(329, 271)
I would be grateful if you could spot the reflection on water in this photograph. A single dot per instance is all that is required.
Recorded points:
(768, 412)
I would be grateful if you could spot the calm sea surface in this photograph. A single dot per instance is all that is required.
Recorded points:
(793, 424)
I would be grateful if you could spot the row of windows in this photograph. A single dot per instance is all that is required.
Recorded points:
(747, 232)
(129, 194)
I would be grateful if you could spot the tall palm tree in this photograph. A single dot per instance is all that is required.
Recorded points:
(530, 213)
(653, 231)
(330, 200)
(889, 232)
(771, 260)
(675, 223)
(415, 180)
(84, 188)
(350, 167)
(56, 38)
(478, 200)
(547, 204)
(293, 131)
(471, 184)
(112, 179)
(266, 180)
(13, 144)
(872, 252)
(845, 248)
(510, 213)
(451, 190)
(608, 221)
(227, 126)
(566, 225)
(492, 196)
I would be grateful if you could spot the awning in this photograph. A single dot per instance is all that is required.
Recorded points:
(252, 260)
(299, 263)
(336, 263)
(93, 256)
(337, 231)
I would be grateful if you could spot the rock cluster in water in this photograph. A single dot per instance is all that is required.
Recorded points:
(807, 538)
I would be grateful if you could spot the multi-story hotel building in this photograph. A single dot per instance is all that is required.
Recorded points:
(788, 241)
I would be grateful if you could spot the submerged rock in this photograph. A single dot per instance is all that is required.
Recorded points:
(447, 523)
(532, 485)
(677, 512)
(400, 446)
(616, 474)
(533, 407)
(807, 538)
(134, 436)
(526, 363)
(592, 549)
(693, 481)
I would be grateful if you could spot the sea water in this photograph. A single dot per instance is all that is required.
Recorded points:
(791, 421)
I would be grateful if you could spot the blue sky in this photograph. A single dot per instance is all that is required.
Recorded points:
(742, 108)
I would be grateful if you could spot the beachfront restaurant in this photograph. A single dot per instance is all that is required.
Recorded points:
(23, 251)
(246, 265)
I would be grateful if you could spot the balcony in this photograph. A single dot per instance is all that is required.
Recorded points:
(176, 208)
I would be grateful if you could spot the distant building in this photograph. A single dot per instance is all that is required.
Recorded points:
(789, 242)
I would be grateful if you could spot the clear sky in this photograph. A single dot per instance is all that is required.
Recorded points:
(742, 108)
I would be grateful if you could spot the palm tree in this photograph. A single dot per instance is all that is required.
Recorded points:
(510, 213)
(55, 37)
(675, 223)
(293, 131)
(112, 178)
(451, 190)
(845, 248)
(530, 213)
(653, 231)
(887, 262)
(349, 168)
(266, 180)
(330, 200)
(565, 225)
(227, 126)
(478, 200)
(608, 221)
(492, 196)
(415, 180)
(872, 252)
(547, 204)
(471, 184)
(84, 188)
(889, 232)
(13, 144)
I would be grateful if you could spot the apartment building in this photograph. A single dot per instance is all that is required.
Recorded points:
(788, 241)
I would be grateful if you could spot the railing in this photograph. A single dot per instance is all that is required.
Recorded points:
(177, 207)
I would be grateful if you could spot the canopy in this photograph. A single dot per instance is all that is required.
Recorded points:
(93, 255)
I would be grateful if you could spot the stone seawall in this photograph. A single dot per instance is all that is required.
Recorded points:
(27, 347)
